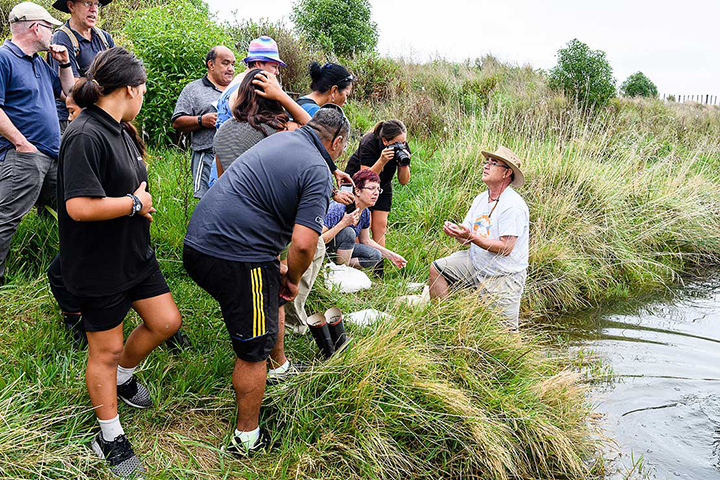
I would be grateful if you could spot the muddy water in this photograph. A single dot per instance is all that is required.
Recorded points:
(663, 407)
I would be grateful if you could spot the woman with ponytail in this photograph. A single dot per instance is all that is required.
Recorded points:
(331, 83)
(104, 214)
(384, 151)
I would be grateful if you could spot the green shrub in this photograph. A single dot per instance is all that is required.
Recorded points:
(377, 77)
(343, 27)
(475, 92)
(638, 85)
(583, 74)
(172, 40)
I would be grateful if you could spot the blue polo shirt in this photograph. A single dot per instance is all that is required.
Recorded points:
(28, 89)
(80, 63)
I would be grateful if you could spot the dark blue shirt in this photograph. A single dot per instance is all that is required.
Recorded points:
(250, 212)
(28, 89)
(80, 63)
(336, 211)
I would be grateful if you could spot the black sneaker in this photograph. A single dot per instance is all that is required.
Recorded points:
(178, 342)
(295, 368)
(238, 448)
(119, 454)
(134, 394)
(73, 322)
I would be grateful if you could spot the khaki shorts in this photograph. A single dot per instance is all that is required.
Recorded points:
(503, 291)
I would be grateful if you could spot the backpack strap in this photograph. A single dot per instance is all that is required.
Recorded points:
(73, 39)
(103, 37)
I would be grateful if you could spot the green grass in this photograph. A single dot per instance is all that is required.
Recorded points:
(621, 203)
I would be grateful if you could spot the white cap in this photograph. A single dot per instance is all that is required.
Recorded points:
(30, 12)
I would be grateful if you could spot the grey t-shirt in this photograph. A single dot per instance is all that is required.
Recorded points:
(198, 98)
(250, 212)
(234, 138)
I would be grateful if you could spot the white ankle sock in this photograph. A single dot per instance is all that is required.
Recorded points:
(111, 429)
(282, 368)
(248, 438)
(124, 374)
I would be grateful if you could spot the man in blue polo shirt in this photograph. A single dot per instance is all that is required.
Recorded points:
(29, 137)
(82, 38)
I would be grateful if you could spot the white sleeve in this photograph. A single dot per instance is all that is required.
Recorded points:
(512, 223)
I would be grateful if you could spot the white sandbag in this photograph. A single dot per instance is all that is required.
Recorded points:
(415, 300)
(347, 279)
(365, 317)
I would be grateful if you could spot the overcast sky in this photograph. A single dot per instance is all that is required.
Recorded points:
(674, 43)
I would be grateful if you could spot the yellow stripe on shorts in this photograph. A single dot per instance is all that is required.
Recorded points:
(258, 310)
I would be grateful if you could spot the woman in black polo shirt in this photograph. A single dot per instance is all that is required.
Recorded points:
(379, 151)
(104, 214)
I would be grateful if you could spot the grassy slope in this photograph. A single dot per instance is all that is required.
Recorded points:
(619, 203)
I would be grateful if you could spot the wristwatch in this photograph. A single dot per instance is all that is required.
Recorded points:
(200, 120)
(136, 206)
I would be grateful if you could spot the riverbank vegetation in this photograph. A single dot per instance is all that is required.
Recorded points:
(623, 200)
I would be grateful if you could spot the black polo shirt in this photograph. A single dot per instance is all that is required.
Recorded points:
(99, 159)
(367, 154)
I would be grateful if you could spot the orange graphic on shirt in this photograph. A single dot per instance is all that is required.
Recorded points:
(481, 226)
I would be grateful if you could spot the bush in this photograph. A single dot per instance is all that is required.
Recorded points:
(343, 27)
(583, 74)
(376, 76)
(172, 40)
(638, 85)
(295, 52)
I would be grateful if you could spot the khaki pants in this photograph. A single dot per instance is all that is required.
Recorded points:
(295, 315)
(503, 291)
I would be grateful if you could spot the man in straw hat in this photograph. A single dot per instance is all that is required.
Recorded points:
(496, 228)
(29, 137)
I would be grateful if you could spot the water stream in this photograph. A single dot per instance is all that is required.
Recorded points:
(663, 406)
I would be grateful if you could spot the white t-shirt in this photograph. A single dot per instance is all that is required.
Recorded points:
(509, 218)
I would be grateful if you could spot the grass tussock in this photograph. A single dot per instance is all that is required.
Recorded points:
(621, 202)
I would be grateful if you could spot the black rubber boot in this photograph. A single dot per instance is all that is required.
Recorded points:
(73, 322)
(379, 269)
(321, 334)
(337, 328)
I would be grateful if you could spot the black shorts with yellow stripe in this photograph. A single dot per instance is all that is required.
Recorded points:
(248, 294)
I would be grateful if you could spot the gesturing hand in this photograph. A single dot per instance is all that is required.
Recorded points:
(59, 53)
(461, 233)
(146, 200)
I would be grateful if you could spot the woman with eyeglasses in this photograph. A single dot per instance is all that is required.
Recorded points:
(384, 151)
(354, 224)
(331, 83)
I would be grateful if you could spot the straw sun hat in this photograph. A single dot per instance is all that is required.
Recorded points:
(512, 160)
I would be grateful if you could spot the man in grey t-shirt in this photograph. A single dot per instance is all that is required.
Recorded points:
(196, 112)
(275, 192)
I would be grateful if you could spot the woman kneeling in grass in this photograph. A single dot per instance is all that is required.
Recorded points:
(353, 245)
(104, 215)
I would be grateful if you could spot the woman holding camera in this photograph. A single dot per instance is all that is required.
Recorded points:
(384, 151)
(104, 214)
(346, 227)
(331, 83)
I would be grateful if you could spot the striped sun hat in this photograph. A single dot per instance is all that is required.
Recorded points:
(263, 49)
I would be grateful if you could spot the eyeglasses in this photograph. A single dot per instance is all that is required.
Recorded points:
(372, 189)
(337, 132)
(49, 27)
(90, 4)
(490, 162)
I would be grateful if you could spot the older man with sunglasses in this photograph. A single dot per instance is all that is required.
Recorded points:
(497, 229)
(30, 138)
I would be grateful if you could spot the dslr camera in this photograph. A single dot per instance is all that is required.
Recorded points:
(402, 157)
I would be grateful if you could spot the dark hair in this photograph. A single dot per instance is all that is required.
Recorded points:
(211, 56)
(112, 69)
(389, 129)
(365, 176)
(329, 121)
(325, 77)
(256, 110)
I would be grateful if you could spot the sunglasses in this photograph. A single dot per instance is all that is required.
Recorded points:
(349, 78)
(339, 109)
(490, 162)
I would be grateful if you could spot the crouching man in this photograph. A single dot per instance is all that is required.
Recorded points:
(496, 228)
(275, 192)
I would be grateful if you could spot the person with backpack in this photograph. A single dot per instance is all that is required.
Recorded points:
(83, 40)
